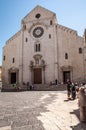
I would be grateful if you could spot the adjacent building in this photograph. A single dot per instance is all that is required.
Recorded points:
(43, 51)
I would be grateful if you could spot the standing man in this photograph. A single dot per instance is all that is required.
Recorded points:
(73, 91)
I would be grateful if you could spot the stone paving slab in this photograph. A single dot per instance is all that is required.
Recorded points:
(6, 128)
(39, 110)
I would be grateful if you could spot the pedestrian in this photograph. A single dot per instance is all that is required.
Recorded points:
(68, 89)
(76, 86)
(31, 86)
(73, 91)
(27, 85)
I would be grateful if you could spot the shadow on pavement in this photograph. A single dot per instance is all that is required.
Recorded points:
(21, 112)
(81, 125)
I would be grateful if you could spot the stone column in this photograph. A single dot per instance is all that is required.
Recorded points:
(20, 75)
(43, 75)
(31, 75)
(56, 52)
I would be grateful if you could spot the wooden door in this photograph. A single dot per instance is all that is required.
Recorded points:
(37, 76)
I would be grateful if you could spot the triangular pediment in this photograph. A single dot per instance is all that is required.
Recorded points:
(44, 13)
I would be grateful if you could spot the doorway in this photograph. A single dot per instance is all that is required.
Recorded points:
(66, 75)
(37, 75)
(13, 78)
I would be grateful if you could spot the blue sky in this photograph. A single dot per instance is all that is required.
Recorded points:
(70, 13)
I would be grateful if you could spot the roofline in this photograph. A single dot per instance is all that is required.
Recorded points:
(34, 9)
(13, 36)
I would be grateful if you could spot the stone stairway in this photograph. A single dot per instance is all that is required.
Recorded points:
(46, 87)
(36, 87)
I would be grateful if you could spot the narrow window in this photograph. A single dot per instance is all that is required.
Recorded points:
(4, 58)
(26, 39)
(66, 55)
(49, 36)
(38, 47)
(34, 47)
(80, 50)
(13, 59)
(51, 22)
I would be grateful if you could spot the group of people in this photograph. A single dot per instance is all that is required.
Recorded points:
(72, 88)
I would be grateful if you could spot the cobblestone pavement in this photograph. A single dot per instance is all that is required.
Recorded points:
(38, 110)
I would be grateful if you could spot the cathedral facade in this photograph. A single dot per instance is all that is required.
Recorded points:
(43, 51)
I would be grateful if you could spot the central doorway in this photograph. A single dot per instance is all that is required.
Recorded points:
(37, 75)
(66, 75)
(13, 78)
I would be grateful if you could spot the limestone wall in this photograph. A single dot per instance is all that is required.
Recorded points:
(12, 49)
(69, 42)
(55, 42)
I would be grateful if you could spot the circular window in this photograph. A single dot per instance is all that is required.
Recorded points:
(38, 32)
(37, 16)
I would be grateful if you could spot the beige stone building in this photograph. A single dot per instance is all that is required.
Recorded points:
(43, 51)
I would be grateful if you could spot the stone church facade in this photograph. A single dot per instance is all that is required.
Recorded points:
(43, 51)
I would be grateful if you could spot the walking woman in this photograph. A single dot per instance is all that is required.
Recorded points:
(68, 89)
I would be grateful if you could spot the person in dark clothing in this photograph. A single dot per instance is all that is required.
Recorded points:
(27, 85)
(68, 89)
(73, 91)
(56, 81)
(31, 87)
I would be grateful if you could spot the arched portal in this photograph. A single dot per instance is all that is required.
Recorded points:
(13, 75)
(37, 70)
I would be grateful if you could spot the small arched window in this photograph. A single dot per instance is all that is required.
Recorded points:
(80, 50)
(26, 39)
(13, 59)
(4, 58)
(66, 55)
(49, 36)
(37, 47)
(51, 22)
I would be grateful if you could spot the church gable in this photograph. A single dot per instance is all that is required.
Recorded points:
(38, 13)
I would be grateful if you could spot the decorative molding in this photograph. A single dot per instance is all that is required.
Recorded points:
(36, 24)
(37, 56)
(64, 68)
(69, 30)
(13, 69)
